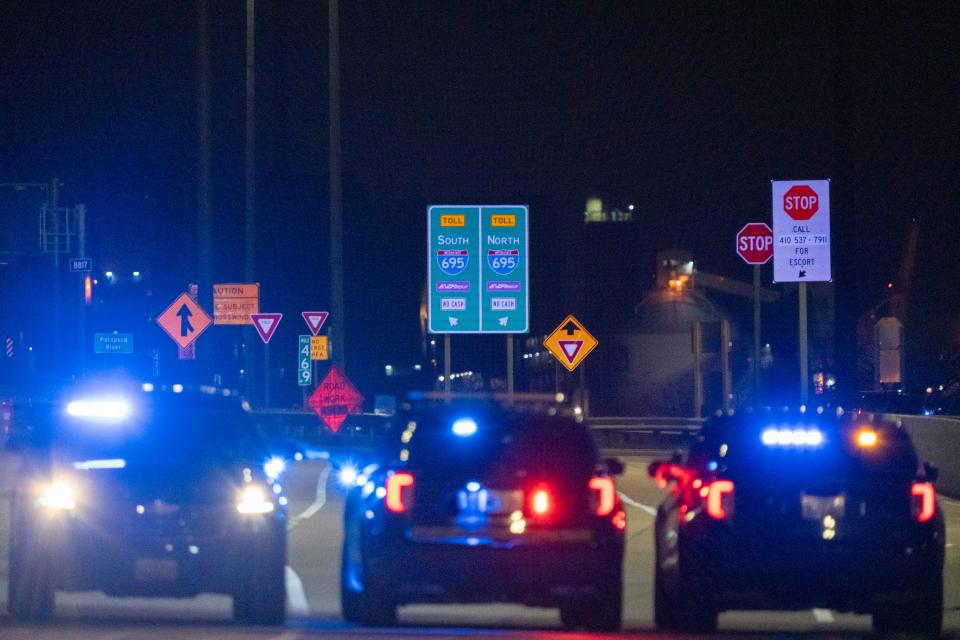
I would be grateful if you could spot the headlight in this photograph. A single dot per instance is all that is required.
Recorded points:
(348, 475)
(253, 499)
(58, 495)
(274, 467)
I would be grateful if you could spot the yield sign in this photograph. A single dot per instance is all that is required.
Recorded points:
(184, 320)
(266, 324)
(335, 398)
(315, 320)
(570, 343)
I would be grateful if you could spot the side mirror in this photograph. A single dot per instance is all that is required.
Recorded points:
(614, 466)
(931, 471)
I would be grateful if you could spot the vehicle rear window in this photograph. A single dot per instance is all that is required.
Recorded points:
(837, 459)
(501, 439)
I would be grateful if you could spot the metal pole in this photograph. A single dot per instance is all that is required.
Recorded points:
(510, 369)
(584, 395)
(446, 363)
(82, 276)
(266, 375)
(204, 230)
(697, 373)
(725, 365)
(250, 228)
(756, 335)
(337, 319)
(53, 201)
(804, 354)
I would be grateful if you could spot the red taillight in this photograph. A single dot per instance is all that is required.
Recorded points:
(399, 491)
(719, 499)
(540, 502)
(924, 501)
(606, 494)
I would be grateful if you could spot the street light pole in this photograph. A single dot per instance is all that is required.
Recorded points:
(250, 229)
(337, 320)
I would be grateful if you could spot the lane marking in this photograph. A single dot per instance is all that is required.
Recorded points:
(823, 616)
(320, 499)
(637, 505)
(296, 597)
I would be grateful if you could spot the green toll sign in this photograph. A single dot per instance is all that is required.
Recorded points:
(478, 266)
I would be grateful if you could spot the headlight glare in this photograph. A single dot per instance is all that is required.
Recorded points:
(253, 499)
(59, 496)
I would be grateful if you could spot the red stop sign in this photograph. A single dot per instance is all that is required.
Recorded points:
(800, 202)
(755, 243)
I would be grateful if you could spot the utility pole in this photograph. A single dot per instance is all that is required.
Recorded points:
(337, 320)
(250, 228)
(204, 230)
(53, 204)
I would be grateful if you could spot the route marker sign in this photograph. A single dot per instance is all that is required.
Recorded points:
(478, 269)
(266, 324)
(755, 243)
(570, 343)
(335, 398)
(315, 320)
(304, 368)
(184, 320)
(801, 230)
(235, 303)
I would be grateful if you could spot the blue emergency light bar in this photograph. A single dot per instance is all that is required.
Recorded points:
(792, 437)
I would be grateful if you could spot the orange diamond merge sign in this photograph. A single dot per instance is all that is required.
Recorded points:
(184, 320)
(570, 343)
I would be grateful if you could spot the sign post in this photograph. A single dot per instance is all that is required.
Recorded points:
(755, 247)
(266, 325)
(801, 247)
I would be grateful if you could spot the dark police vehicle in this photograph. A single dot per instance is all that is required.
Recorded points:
(796, 511)
(158, 492)
(474, 503)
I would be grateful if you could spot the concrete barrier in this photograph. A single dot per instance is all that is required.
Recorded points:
(937, 440)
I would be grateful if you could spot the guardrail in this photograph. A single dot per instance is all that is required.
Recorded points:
(638, 434)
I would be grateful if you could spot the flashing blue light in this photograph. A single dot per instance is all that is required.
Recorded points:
(99, 409)
(712, 465)
(464, 427)
(274, 467)
(348, 475)
(112, 463)
(792, 437)
(473, 486)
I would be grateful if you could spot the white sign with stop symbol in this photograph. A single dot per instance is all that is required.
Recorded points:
(801, 230)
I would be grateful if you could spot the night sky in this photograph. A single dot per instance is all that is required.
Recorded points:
(686, 110)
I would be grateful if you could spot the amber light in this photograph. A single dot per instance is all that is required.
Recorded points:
(87, 291)
(606, 494)
(620, 520)
(396, 484)
(924, 501)
(867, 438)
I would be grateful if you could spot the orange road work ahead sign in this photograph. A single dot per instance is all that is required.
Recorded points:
(184, 320)
(235, 303)
(570, 343)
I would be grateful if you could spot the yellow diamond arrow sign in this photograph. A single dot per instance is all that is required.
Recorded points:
(570, 343)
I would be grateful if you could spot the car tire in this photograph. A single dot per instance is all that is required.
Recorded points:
(261, 597)
(600, 613)
(362, 599)
(665, 614)
(695, 609)
(923, 617)
(30, 590)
